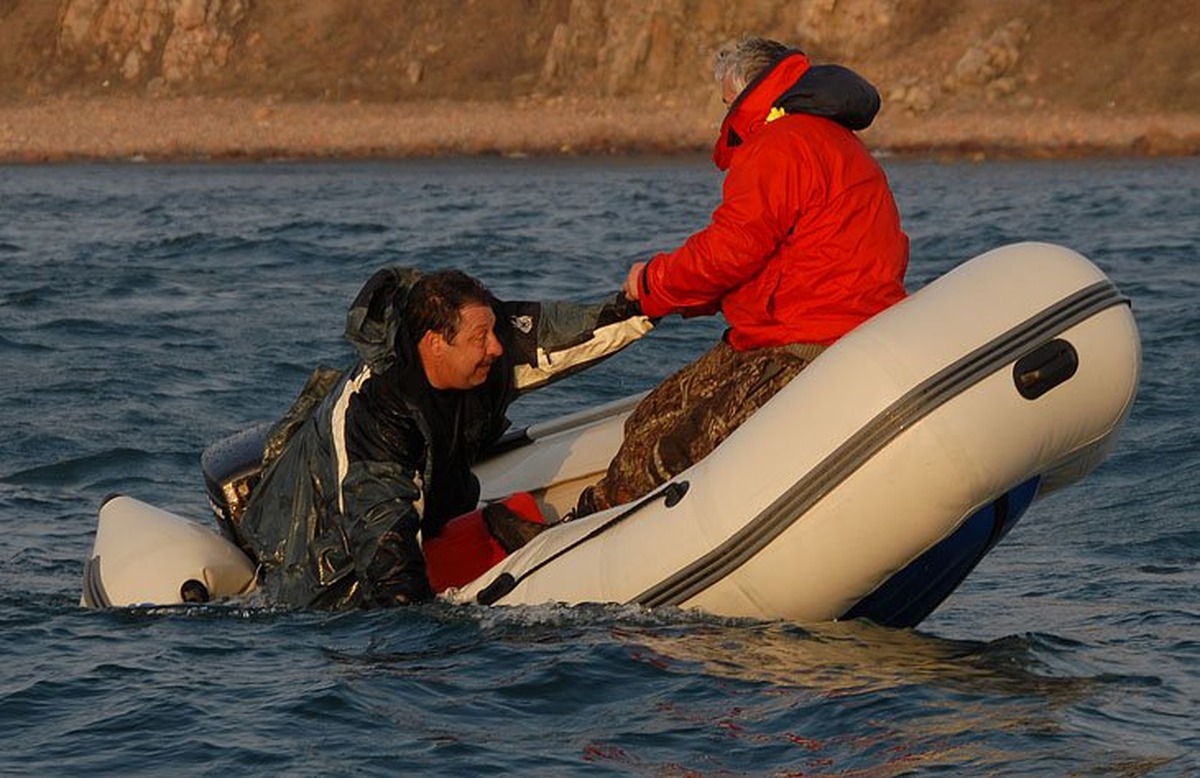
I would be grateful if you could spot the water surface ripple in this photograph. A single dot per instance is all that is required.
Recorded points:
(147, 310)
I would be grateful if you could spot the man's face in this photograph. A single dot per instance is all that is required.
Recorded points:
(728, 92)
(464, 362)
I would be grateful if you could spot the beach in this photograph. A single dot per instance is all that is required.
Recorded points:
(60, 129)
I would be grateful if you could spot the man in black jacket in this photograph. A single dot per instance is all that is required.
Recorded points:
(365, 466)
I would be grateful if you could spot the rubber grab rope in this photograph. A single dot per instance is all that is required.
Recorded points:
(504, 583)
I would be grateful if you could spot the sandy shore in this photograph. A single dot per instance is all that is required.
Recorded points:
(231, 129)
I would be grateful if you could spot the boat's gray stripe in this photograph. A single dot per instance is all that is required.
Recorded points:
(94, 595)
(859, 448)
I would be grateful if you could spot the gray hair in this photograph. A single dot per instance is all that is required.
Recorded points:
(740, 62)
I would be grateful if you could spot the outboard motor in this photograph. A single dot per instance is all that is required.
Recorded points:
(232, 468)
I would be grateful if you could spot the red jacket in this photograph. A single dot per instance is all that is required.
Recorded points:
(806, 243)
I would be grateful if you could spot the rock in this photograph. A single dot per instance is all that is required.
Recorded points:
(989, 60)
(930, 58)
(912, 95)
(190, 14)
(132, 67)
(176, 41)
(849, 27)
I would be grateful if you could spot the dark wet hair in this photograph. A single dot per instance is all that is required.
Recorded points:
(435, 300)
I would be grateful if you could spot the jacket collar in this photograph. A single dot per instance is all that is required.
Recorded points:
(375, 321)
(748, 113)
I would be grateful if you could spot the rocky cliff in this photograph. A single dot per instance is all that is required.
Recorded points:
(935, 61)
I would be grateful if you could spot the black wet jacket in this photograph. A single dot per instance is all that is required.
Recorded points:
(369, 462)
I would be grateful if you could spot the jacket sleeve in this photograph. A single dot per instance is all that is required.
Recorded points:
(551, 340)
(758, 208)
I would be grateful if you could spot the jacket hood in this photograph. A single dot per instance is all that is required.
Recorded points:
(793, 86)
(834, 92)
(374, 321)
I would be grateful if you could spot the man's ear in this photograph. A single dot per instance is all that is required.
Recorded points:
(433, 342)
(430, 350)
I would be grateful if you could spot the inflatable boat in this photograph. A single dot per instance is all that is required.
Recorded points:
(869, 487)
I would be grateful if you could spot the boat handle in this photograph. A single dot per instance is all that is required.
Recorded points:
(1044, 368)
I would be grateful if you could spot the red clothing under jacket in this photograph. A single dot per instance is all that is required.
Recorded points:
(806, 243)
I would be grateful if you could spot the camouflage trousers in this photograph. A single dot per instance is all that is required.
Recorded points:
(686, 416)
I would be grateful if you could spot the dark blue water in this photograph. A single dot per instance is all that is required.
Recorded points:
(147, 310)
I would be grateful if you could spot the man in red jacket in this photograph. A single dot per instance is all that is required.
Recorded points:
(805, 245)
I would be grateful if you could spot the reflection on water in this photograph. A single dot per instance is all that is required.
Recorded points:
(842, 690)
(632, 689)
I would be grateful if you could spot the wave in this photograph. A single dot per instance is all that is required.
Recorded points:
(22, 348)
(108, 466)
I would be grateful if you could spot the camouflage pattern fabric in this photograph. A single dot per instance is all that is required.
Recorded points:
(689, 414)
